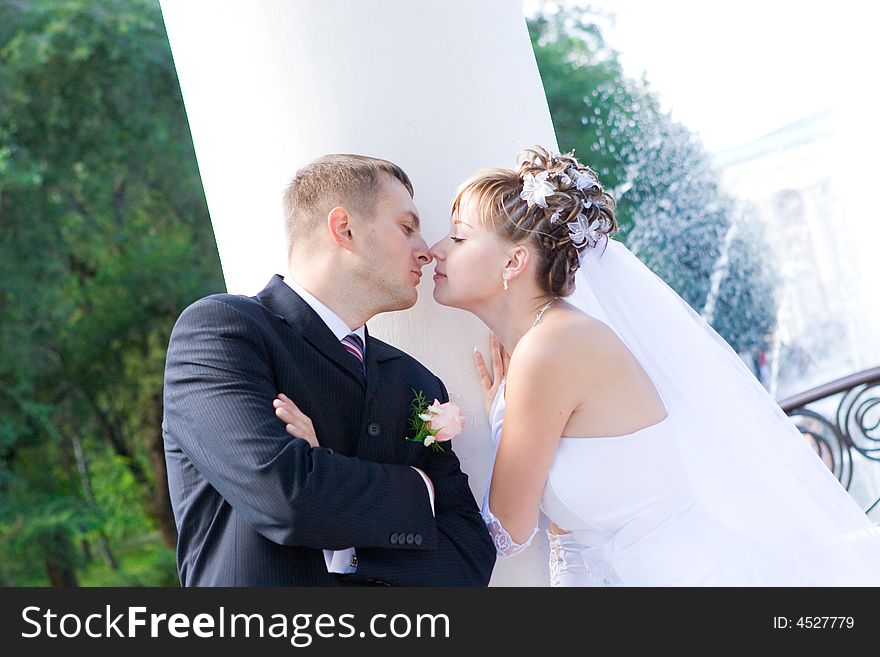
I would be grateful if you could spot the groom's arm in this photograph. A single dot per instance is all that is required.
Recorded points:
(463, 555)
(219, 387)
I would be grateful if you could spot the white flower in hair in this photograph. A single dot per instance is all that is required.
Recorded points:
(580, 232)
(582, 179)
(593, 203)
(594, 230)
(554, 218)
(536, 189)
(577, 230)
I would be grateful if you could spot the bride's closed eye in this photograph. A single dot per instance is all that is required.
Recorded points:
(456, 239)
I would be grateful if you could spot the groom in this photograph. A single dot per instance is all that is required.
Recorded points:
(255, 506)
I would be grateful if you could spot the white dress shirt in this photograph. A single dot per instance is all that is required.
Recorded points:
(343, 561)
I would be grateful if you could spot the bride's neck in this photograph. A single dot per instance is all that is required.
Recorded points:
(511, 316)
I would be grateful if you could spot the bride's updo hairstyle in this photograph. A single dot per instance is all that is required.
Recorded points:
(551, 201)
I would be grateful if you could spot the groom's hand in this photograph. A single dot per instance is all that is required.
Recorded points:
(500, 360)
(296, 423)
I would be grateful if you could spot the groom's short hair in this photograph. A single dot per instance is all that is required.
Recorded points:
(344, 180)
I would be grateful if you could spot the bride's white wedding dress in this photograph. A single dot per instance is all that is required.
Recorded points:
(635, 520)
(724, 491)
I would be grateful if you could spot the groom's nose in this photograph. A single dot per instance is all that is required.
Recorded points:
(421, 253)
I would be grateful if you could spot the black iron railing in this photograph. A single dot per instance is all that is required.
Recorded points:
(854, 427)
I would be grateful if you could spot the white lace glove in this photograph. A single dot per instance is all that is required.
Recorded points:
(504, 544)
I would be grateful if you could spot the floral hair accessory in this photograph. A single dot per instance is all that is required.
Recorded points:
(582, 233)
(582, 179)
(536, 188)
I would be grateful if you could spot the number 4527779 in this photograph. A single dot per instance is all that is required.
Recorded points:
(814, 622)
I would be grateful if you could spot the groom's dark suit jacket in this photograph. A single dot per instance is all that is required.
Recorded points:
(255, 506)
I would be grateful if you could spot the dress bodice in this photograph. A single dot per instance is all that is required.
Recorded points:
(594, 482)
(631, 513)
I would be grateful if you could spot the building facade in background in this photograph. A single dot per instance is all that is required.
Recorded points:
(785, 180)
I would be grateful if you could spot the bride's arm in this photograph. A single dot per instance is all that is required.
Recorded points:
(540, 396)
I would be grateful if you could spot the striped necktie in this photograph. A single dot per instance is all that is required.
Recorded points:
(355, 346)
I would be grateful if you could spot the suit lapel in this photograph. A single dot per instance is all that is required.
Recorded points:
(381, 407)
(280, 299)
(382, 381)
(375, 354)
(378, 355)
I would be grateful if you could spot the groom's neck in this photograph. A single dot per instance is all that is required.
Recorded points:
(332, 293)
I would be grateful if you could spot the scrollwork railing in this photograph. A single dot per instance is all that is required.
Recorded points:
(854, 427)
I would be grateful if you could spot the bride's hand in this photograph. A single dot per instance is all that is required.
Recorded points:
(500, 360)
(296, 423)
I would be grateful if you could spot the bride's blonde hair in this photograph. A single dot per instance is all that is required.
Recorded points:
(577, 199)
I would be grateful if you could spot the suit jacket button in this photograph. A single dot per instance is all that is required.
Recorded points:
(393, 539)
(410, 539)
(401, 538)
(418, 539)
(374, 429)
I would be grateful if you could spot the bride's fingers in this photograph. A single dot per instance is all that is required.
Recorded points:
(505, 358)
(480, 364)
(497, 360)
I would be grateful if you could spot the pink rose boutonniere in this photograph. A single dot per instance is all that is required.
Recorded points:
(434, 423)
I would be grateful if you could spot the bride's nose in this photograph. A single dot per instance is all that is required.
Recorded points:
(436, 251)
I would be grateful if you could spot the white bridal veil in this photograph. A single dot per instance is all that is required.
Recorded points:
(749, 464)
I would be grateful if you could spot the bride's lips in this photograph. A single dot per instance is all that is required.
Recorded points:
(439, 275)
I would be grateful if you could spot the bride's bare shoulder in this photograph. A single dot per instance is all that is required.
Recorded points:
(568, 339)
(562, 359)
(571, 327)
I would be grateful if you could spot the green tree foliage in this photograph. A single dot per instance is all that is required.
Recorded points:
(105, 239)
(670, 211)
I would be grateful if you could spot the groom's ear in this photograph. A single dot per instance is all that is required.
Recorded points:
(339, 227)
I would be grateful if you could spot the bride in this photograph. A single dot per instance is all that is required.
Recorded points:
(618, 413)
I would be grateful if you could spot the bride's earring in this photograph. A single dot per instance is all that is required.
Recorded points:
(504, 277)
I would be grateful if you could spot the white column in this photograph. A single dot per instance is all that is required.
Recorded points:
(442, 88)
